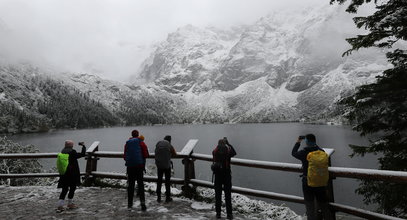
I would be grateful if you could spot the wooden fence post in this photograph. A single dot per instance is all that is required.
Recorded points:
(189, 168)
(331, 197)
(91, 164)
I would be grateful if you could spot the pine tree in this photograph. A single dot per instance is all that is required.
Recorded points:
(380, 109)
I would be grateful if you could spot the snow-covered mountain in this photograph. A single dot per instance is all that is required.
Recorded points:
(283, 67)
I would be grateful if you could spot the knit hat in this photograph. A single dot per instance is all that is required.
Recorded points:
(141, 137)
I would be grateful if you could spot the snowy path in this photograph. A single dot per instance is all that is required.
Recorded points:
(39, 202)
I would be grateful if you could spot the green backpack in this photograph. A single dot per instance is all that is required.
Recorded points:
(62, 163)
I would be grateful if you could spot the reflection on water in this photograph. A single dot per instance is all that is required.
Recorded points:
(268, 142)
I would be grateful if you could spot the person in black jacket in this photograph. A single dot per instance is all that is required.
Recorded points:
(71, 178)
(311, 193)
(221, 158)
(163, 153)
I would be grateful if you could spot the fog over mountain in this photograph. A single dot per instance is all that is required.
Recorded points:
(111, 39)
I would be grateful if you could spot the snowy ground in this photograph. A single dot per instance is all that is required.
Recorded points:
(39, 202)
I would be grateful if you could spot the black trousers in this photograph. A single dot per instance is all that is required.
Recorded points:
(167, 173)
(223, 179)
(65, 191)
(135, 174)
(312, 195)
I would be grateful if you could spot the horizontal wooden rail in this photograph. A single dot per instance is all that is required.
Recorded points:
(123, 176)
(356, 173)
(30, 175)
(360, 212)
(28, 155)
(255, 163)
(253, 192)
(116, 154)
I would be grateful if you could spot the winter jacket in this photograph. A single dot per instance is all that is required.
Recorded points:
(302, 155)
(135, 153)
(230, 153)
(72, 174)
(163, 152)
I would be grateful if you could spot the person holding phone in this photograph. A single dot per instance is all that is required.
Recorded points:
(222, 154)
(71, 175)
(311, 193)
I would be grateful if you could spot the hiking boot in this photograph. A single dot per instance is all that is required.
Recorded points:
(218, 215)
(143, 207)
(168, 199)
(60, 209)
(159, 198)
(229, 216)
(72, 206)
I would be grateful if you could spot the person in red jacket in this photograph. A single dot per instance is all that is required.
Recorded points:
(135, 154)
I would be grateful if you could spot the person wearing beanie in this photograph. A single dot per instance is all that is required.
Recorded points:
(135, 154)
(163, 153)
(71, 177)
(311, 193)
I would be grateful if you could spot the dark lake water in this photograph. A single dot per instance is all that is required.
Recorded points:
(268, 142)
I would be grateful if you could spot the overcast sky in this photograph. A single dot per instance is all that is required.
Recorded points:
(112, 37)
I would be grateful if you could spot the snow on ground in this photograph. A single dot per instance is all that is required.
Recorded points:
(39, 202)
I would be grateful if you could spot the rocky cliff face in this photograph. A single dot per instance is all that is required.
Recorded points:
(283, 67)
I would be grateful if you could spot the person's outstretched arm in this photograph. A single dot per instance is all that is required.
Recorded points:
(173, 152)
(82, 153)
(232, 149)
(295, 153)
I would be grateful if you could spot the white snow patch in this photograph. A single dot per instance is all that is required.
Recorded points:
(201, 206)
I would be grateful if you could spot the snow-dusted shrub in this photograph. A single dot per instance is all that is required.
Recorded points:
(8, 166)
(252, 208)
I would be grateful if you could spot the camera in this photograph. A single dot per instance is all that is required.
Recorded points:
(81, 143)
(301, 137)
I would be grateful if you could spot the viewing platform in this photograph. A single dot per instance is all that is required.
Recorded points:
(107, 203)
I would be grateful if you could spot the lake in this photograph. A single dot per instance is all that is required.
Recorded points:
(268, 142)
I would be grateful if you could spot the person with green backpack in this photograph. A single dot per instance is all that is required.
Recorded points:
(315, 176)
(69, 174)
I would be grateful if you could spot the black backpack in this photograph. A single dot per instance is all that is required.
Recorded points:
(221, 156)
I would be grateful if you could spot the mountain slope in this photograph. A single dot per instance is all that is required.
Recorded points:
(283, 67)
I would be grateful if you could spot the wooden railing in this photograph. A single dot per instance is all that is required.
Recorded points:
(189, 182)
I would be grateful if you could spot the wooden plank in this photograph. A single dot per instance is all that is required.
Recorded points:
(28, 155)
(31, 175)
(117, 154)
(360, 212)
(93, 147)
(252, 192)
(255, 163)
(189, 147)
(357, 173)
